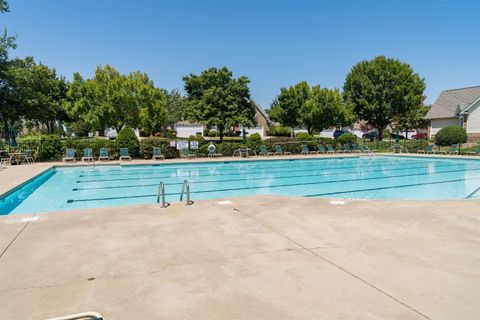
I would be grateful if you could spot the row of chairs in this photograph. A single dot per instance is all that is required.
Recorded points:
(454, 149)
(346, 148)
(105, 156)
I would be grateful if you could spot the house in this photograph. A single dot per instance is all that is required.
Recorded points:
(456, 107)
(185, 128)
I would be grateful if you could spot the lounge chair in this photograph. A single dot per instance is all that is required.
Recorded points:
(355, 148)
(157, 154)
(476, 152)
(124, 154)
(104, 155)
(428, 149)
(453, 149)
(69, 155)
(307, 151)
(186, 154)
(212, 151)
(279, 151)
(264, 151)
(366, 149)
(347, 148)
(321, 148)
(28, 156)
(87, 155)
(330, 148)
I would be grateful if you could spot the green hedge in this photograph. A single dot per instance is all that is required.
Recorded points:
(451, 135)
(147, 144)
(127, 138)
(44, 147)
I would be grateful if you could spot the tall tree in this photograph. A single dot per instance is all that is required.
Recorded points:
(218, 99)
(176, 107)
(313, 108)
(288, 106)
(382, 89)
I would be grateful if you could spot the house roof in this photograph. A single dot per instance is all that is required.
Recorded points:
(452, 102)
(260, 109)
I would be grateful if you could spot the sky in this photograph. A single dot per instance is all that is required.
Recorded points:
(275, 43)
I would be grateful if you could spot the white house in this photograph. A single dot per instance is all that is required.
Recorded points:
(456, 107)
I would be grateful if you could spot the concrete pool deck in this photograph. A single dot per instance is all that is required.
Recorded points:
(262, 257)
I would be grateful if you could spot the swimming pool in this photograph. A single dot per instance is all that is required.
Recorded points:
(366, 177)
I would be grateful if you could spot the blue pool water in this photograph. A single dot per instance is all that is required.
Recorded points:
(369, 177)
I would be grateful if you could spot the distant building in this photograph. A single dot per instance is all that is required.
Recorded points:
(456, 107)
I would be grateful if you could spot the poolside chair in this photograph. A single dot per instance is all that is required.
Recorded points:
(87, 155)
(157, 154)
(321, 148)
(28, 156)
(330, 148)
(476, 152)
(69, 155)
(186, 154)
(439, 151)
(124, 154)
(428, 149)
(264, 151)
(212, 151)
(307, 151)
(279, 151)
(103, 155)
(355, 148)
(453, 149)
(347, 148)
(366, 149)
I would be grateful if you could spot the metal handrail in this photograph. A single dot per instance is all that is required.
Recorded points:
(186, 187)
(161, 195)
(81, 316)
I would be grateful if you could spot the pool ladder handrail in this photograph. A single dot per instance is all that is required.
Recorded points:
(161, 195)
(186, 188)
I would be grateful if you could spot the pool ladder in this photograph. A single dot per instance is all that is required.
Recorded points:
(186, 188)
(161, 194)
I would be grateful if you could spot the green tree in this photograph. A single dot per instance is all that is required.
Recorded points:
(313, 108)
(217, 99)
(415, 119)
(383, 89)
(288, 106)
(111, 99)
(176, 107)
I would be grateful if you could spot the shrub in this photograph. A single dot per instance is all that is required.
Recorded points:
(303, 136)
(228, 148)
(254, 141)
(279, 131)
(451, 135)
(127, 138)
(147, 144)
(44, 147)
(347, 137)
(213, 133)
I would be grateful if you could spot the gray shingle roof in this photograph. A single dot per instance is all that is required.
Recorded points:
(450, 102)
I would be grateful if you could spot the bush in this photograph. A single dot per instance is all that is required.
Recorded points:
(127, 138)
(147, 144)
(213, 133)
(347, 137)
(303, 136)
(254, 141)
(279, 131)
(228, 148)
(451, 135)
(44, 147)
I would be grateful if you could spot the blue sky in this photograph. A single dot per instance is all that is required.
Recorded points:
(275, 43)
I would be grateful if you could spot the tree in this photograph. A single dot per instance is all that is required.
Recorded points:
(382, 90)
(176, 107)
(217, 99)
(288, 106)
(313, 108)
(111, 99)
